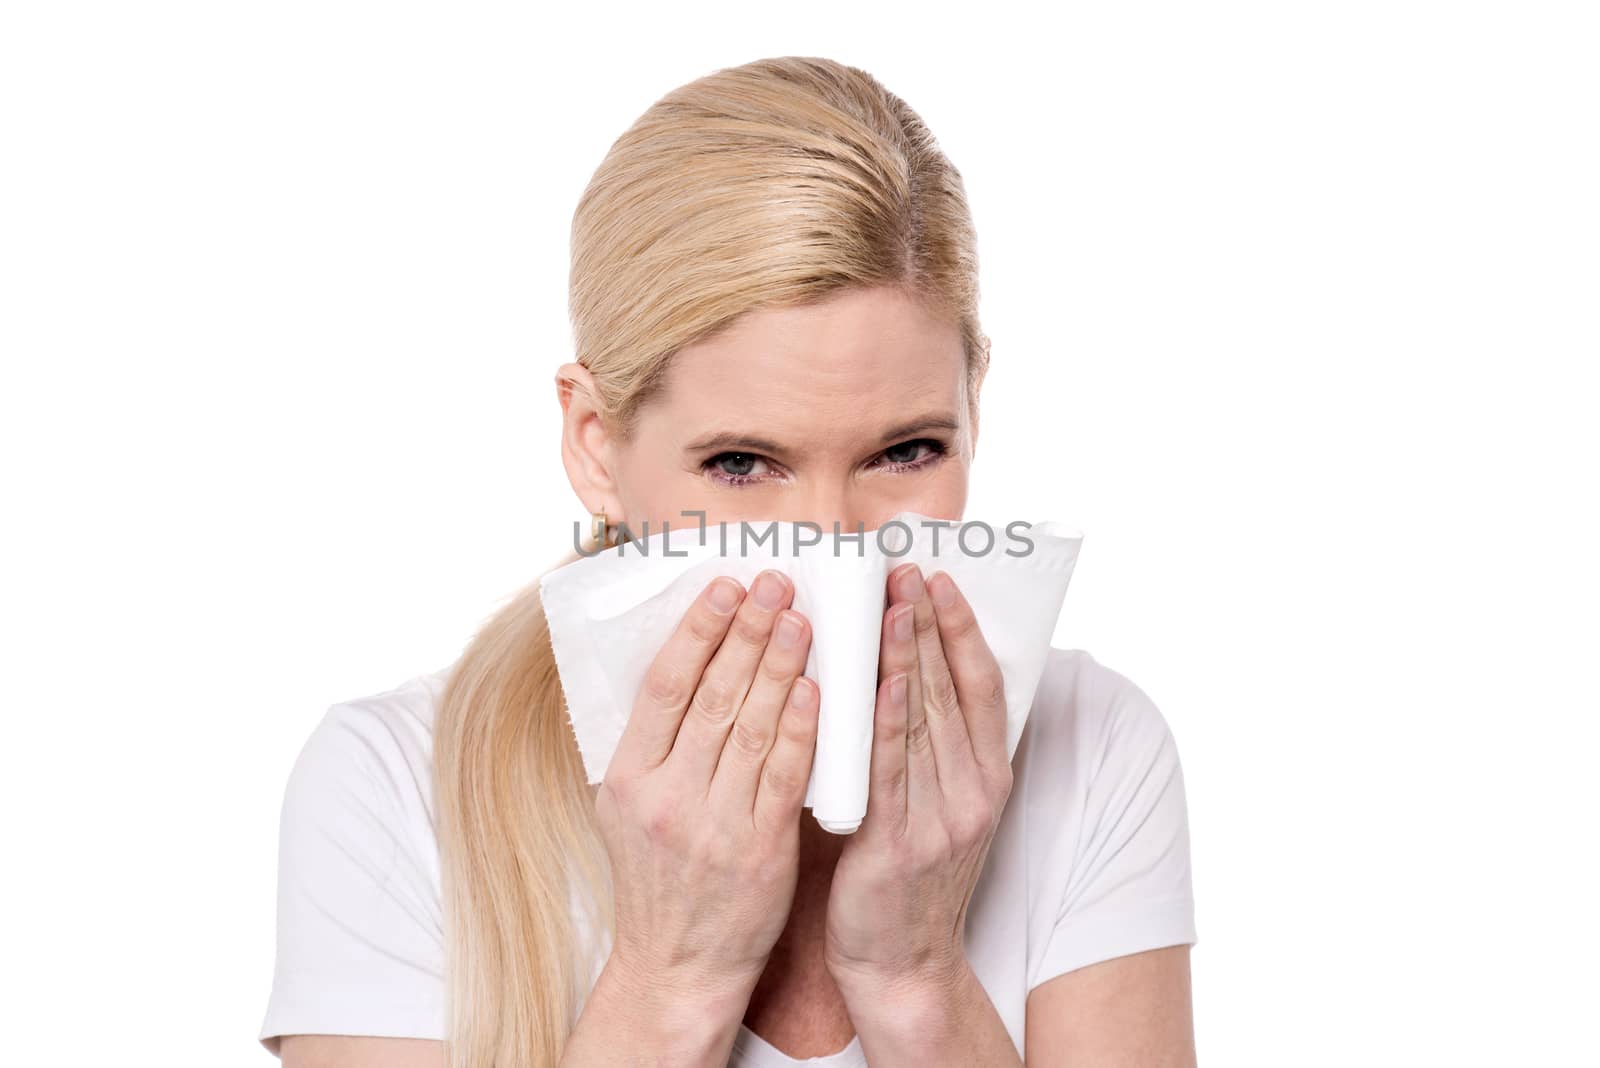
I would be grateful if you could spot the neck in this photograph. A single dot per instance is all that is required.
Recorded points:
(819, 849)
(796, 1005)
(819, 855)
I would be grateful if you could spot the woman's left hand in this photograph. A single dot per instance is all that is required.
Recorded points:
(940, 778)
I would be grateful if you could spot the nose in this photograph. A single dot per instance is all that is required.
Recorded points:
(849, 507)
(853, 507)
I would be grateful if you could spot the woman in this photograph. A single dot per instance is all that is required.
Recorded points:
(773, 294)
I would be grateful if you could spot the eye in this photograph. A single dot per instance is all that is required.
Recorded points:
(746, 468)
(734, 468)
(904, 457)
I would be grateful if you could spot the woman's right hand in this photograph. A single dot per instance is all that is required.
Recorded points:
(700, 806)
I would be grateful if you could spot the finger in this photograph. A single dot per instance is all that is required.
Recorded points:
(955, 764)
(754, 729)
(886, 793)
(727, 679)
(782, 785)
(898, 652)
(979, 684)
(670, 681)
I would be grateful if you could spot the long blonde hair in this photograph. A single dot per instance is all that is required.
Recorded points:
(775, 183)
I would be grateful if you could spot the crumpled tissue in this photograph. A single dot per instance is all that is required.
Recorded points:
(610, 613)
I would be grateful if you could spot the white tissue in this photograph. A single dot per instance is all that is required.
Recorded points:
(609, 615)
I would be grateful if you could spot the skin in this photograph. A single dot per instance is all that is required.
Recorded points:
(732, 905)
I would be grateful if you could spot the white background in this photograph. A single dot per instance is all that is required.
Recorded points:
(1294, 311)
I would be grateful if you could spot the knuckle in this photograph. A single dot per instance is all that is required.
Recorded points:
(1002, 781)
(910, 852)
(666, 684)
(751, 630)
(747, 738)
(942, 695)
(917, 737)
(777, 778)
(705, 626)
(773, 669)
(708, 852)
(713, 699)
(960, 624)
(662, 818)
(619, 789)
(991, 689)
(794, 731)
(973, 824)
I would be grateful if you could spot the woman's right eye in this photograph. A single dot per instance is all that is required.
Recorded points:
(734, 468)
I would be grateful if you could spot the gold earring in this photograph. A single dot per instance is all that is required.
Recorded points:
(598, 530)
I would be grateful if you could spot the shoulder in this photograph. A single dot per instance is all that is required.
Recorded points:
(380, 744)
(360, 944)
(357, 816)
(1093, 711)
(1106, 817)
(1098, 772)
(400, 717)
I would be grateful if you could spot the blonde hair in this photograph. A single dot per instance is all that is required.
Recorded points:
(774, 183)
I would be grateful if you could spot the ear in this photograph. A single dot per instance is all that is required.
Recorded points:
(586, 441)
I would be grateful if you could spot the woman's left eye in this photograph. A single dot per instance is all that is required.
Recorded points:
(904, 455)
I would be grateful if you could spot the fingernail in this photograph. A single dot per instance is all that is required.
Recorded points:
(769, 589)
(800, 695)
(897, 689)
(902, 626)
(912, 584)
(724, 595)
(943, 589)
(788, 632)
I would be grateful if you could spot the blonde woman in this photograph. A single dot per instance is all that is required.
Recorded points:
(774, 302)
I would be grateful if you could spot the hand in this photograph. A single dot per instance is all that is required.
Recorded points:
(700, 806)
(940, 779)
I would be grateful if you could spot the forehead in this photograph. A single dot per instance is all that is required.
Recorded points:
(835, 372)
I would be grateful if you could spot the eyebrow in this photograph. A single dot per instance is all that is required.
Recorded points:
(733, 440)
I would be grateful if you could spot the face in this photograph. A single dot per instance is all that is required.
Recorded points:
(846, 411)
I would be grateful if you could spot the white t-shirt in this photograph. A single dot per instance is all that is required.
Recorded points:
(1090, 861)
